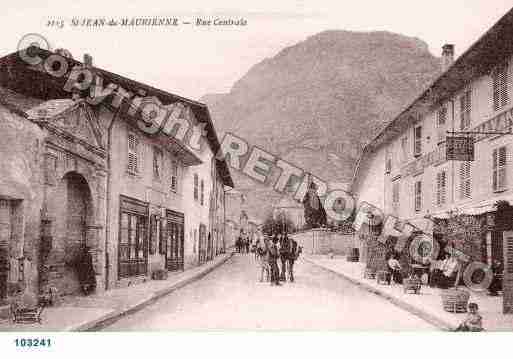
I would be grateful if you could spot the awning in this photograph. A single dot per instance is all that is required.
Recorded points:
(483, 206)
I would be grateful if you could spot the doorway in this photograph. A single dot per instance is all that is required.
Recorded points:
(5, 238)
(174, 240)
(78, 206)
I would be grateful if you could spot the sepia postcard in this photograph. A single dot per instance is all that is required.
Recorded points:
(295, 166)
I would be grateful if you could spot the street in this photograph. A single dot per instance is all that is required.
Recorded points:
(231, 298)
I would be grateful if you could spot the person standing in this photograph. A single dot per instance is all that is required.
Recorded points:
(284, 255)
(395, 269)
(262, 253)
(247, 245)
(294, 253)
(273, 261)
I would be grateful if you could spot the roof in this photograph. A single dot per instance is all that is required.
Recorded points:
(51, 109)
(491, 48)
(17, 75)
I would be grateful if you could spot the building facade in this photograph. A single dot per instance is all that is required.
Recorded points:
(404, 170)
(80, 177)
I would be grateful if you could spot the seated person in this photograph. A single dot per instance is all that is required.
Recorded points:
(395, 268)
(473, 322)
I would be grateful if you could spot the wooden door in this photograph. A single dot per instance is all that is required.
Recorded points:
(174, 240)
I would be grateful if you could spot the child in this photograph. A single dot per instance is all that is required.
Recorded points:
(473, 322)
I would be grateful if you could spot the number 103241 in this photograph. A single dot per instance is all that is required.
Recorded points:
(32, 342)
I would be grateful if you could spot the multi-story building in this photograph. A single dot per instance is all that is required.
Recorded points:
(78, 175)
(404, 170)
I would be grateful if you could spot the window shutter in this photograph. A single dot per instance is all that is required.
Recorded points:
(195, 186)
(500, 96)
(504, 86)
(441, 120)
(418, 196)
(502, 168)
(174, 176)
(388, 167)
(133, 158)
(417, 143)
(441, 188)
(465, 109)
(202, 194)
(499, 162)
(494, 170)
(465, 180)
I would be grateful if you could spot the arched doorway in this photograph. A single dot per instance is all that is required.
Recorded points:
(74, 213)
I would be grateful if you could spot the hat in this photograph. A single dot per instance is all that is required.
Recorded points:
(312, 185)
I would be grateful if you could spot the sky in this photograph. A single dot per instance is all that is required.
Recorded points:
(191, 61)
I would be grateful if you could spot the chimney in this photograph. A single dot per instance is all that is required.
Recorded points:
(447, 56)
(88, 60)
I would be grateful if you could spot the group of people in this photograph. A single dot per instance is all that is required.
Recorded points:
(441, 275)
(272, 250)
(441, 272)
(242, 244)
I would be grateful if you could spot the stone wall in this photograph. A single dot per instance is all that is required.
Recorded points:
(324, 242)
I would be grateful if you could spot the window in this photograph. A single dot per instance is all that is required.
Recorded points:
(195, 187)
(441, 188)
(500, 87)
(388, 166)
(465, 108)
(441, 120)
(395, 194)
(133, 153)
(499, 169)
(417, 141)
(202, 198)
(465, 180)
(418, 196)
(174, 176)
(157, 163)
(404, 149)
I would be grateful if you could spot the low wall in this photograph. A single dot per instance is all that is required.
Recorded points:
(319, 241)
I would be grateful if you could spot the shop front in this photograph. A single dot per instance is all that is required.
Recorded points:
(133, 238)
(174, 240)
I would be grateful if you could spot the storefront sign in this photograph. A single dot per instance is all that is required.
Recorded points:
(501, 123)
(459, 148)
(432, 158)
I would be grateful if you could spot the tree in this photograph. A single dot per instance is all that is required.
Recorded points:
(277, 224)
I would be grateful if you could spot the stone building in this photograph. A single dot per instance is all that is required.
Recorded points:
(404, 170)
(82, 176)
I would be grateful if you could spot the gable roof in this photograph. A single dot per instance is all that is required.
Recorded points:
(17, 75)
(493, 47)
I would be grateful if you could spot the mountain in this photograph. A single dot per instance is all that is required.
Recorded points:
(317, 103)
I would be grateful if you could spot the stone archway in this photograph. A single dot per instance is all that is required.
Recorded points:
(73, 208)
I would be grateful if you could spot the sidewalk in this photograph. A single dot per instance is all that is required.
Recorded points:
(427, 304)
(95, 311)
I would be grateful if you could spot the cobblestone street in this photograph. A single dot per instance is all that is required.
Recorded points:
(231, 298)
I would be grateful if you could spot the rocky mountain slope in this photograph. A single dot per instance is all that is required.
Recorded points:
(318, 102)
